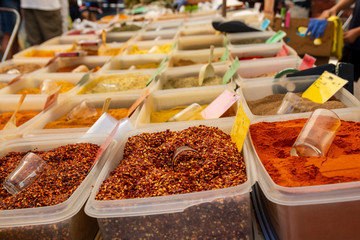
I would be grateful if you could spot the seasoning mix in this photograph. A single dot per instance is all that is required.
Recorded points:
(147, 170)
(21, 117)
(186, 82)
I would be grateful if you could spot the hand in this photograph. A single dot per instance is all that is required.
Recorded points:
(351, 35)
(178, 3)
(316, 27)
(327, 13)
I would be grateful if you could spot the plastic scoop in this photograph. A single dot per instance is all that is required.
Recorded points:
(27, 171)
(48, 86)
(288, 103)
(207, 71)
(104, 48)
(82, 111)
(187, 113)
(106, 105)
(104, 87)
(81, 69)
(11, 124)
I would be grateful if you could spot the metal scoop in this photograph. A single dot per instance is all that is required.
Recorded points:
(207, 71)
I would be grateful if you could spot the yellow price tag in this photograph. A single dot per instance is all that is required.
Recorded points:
(324, 87)
(240, 128)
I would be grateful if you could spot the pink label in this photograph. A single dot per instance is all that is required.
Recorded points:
(307, 62)
(71, 54)
(283, 52)
(220, 105)
(287, 19)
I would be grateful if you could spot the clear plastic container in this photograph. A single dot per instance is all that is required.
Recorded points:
(64, 220)
(59, 110)
(195, 57)
(35, 80)
(147, 46)
(262, 52)
(200, 42)
(249, 39)
(260, 89)
(9, 105)
(121, 74)
(264, 69)
(164, 100)
(193, 71)
(330, 211)
(157, 35)
(192, 215)
(126, 62)
(90, 62)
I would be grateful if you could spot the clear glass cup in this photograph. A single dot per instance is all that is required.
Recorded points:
(317, 135)
(48, 86)
(27, 171)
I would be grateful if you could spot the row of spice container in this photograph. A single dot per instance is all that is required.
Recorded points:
(140, 168)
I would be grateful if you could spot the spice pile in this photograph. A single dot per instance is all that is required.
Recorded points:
(146, 169)
(273, 141)
(65, 87)
(21, 117)
(191, 82)
(270, 104)
(22, 67)
(67, 168)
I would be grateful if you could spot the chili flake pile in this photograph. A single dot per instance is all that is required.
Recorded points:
(147, 171)
(67, 167)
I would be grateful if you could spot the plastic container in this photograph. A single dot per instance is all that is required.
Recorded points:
(35, 80)
(125, 35)
(49, 50)
(168, 34)
(248, 39)
(260, 69)
(70, 39)
(95, 79)
(200, 42)
(59, 110)
(261, 89)
(201, 25)
(167, 216)
(64, 220)
(164, 100)
(263, 51)
(164, 25)
(330, 211)
(126, 62)
(13, 63)
(193, 71)
(196, 57)
(9, 105)
(147, 46)
(90, 61)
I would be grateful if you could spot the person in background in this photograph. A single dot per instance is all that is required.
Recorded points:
(8, 20)
(351, 50)
(300, 8)
(89, 9)
(43, 20)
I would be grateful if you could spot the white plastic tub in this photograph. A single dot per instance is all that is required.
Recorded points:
(168, 34)
(59, 110)
(62, 221)
(11, 64)
(164, 100)
(257, 90)
(147, 46)
(223, 213)
(126, 62)
(325, 211)
(196, 56)
(200, 42)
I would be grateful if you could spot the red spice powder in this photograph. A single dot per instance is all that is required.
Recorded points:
(273, 142)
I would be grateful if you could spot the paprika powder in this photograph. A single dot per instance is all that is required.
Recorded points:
(273, 142)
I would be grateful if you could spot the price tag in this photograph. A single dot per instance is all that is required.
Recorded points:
(324, 87)
(138, 102)
(240, 128)
(225, 55)
(71, 54)
(277, 37)
(86, 43)
(220, 105)
(85, 78)
(139, 10)
(173, 46)
(226, 41)
(265, 24)
(51, 99)
(160, 68)
(232, 70)
(307, 62)
(283, 52)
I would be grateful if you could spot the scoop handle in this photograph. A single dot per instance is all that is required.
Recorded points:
(211, 53)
